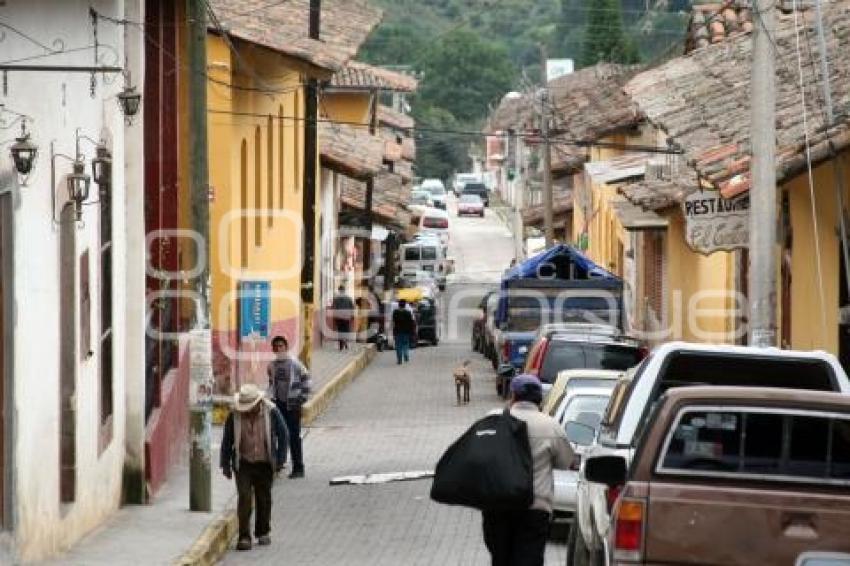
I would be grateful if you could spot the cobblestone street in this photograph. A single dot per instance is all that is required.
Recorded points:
(389, 420)
(393, 419)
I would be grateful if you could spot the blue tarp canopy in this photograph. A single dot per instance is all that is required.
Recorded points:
(556, 257)
(560, 263)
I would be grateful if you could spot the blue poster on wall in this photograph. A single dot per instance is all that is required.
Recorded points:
(254, 299)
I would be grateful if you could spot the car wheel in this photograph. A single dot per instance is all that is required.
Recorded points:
(435, 340)
(482, 214)
(495, 361)
(499, 386)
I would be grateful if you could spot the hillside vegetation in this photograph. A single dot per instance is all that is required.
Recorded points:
(469, 53)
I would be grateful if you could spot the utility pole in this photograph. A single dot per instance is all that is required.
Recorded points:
(370, 189)
(200, 397)
(549, 229)
(518, 194)
(762, 273)
(311, 157)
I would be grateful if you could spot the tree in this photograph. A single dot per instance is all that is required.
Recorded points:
(604, 39)
(463, 73)
(438, 153)
(395, 44)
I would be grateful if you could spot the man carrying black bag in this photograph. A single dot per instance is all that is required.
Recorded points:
(503, 466)
(518, 538)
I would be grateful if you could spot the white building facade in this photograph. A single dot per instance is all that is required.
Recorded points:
(71, 276)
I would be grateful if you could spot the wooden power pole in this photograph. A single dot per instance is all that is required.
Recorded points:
(200, 398)
(762, 274)
(548, 205)
(311, 158)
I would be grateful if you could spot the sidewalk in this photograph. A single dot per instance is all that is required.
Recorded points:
(165, 532)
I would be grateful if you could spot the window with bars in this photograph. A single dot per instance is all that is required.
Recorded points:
(653, 266)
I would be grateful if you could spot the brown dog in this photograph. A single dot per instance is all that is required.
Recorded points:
(463, 382)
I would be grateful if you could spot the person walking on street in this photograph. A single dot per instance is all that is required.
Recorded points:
(254, 447)
(289, 384)
(404, 331)
(518, 538)
(343, 311)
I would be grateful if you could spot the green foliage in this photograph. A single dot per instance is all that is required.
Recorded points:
(604, 39)
(438, 154)
(463, 74)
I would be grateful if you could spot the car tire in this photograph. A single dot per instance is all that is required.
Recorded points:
(495, 362)
(482, 214)
(577, 552)
(499, 386)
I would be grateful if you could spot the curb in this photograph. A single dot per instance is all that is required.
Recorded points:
(217, 537)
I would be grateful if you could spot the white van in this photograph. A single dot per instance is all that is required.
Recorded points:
(435, 221)
(424, 255)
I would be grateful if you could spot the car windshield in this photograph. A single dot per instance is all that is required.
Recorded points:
(435, 222)
(593, 404)
(470, 199)
(429, 252)
(421, 198)
(474, 188)
(411, 254)
(437, 190)
(575, 382)
(578, 355)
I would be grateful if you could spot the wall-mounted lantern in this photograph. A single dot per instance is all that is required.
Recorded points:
(129, 100)
(78, 187)
(23, 153)
(101, 167)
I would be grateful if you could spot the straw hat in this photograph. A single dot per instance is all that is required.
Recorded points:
(247, 398)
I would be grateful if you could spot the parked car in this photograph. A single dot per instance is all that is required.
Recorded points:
(461, 179)
(437, 190)
(478, 323)
(425, 254)
(731, 475)
(477, 189)
(679, 364)
(470, 204)
(570, 379)
(585, 406)
(435, 221)
(565, 350)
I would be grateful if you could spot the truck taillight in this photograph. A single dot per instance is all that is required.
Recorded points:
(629, 518)
(643, 352)
(611, 495)
(506, 351)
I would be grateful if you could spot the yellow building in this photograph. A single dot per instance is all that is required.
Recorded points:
(258, 71)
(704, 196)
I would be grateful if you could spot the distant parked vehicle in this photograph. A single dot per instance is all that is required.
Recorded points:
(479, 189)
(478, 328)
(437, 190)
(425, 255)
(435, 221)
(461, 179)
(470, 204)
(733, 476)
(571, 379)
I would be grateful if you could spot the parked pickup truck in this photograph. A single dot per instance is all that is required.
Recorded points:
(732, 476)
(678, 364)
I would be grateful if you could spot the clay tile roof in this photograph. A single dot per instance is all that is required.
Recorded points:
(701, 101)
(515, 111)
(350, 150)
(357, 75)
(562, 204)
(282, 26)
(656, 194)
(394, 119)
(716, 22)
(590, 104)
(389, 196)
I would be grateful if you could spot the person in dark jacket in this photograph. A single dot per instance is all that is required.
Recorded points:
(404, 331)
(289, 386)
(254, 447)
(343, 309)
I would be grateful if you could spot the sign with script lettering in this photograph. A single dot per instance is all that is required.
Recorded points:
(713, 223)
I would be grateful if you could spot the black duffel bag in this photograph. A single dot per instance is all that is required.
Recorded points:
(489, 467)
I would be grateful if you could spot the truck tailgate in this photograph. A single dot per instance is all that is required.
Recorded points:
(695, 524)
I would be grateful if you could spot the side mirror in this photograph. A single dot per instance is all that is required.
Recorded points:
(506, 370)
(608, 470)
(580, 433)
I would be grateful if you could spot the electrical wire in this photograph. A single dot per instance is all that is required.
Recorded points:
(815, 223)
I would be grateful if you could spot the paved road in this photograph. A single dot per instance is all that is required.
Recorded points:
(390, 420)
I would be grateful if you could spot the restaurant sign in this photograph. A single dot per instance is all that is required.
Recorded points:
(714, 223)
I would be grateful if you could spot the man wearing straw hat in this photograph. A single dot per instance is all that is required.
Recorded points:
(253, 446)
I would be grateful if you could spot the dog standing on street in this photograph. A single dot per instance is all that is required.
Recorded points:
(463, 381)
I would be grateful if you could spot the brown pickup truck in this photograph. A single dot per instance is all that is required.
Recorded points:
(731, 475)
